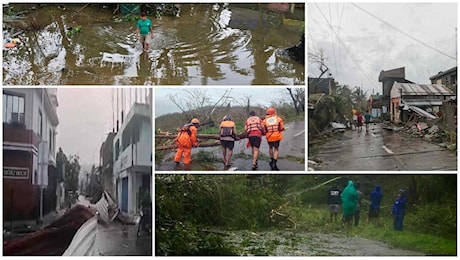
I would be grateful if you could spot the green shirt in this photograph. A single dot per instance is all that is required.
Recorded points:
(144, 26)
(367, 118)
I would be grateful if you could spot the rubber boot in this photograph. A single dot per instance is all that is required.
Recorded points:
(271, 163)
(275, 168)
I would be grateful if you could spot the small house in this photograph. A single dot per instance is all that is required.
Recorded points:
(423, 99)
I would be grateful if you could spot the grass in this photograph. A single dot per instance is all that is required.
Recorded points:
(426, 243)
(316, 219)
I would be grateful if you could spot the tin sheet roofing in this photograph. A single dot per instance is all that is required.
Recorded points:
(424, 89)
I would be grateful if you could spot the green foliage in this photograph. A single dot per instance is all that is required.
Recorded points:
(231, 201)
(433, 218)
(185, 239)
(74, 31)
(130, 18)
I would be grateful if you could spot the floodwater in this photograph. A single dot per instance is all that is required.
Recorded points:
(220, 44)
(289, 243)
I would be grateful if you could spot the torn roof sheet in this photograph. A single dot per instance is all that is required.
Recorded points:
(422, 112)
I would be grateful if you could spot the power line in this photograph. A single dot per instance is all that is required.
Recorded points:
(345, 47)
(401, 31)
(333, 42)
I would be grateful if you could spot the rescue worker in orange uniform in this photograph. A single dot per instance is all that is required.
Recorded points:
(227, 139)
(273, 126)
(185, 140)
(254, 131)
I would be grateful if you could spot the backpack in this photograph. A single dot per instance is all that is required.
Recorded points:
(186, 129)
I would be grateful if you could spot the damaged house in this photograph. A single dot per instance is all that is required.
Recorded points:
(423, 100)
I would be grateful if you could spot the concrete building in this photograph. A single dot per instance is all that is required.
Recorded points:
(106, 164)
(321, 85)
(132, 155)
(29, 150)
(447, 78)
(423, 99)
(388, 78)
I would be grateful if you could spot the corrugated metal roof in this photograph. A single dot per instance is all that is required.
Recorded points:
(422, 112)
(422, 102)
(83, 242)
(424, 89)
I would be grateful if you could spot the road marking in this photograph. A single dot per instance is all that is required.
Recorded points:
(299, 133)
(387, 149)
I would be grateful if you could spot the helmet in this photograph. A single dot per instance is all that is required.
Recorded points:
(195, 121)
(226, 118)
(271, 111)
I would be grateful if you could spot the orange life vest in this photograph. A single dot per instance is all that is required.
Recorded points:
(273, 127)
(253, 125)
(227, 129)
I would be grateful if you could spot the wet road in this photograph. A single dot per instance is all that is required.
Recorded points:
(207, 44)
(286, 243)
(117, 239)
(383, 150)
(291, 156)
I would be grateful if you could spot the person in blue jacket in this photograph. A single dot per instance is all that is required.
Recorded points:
(399, 210)
(374, 207)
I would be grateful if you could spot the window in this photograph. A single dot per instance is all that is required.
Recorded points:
(40, 123)
(50, 142)
(117, 149)
(13, 109)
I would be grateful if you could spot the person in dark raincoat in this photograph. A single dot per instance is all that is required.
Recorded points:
(374, 207)
(349, 199)
(399, 210)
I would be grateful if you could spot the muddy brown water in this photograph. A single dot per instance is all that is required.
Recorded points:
(207, 44)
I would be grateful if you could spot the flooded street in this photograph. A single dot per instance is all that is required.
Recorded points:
(383, 150)
(205, 45)
(288, 243)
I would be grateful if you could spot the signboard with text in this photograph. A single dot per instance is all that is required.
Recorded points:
(15, 173)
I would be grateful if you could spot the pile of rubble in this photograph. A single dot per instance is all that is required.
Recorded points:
(432, 133)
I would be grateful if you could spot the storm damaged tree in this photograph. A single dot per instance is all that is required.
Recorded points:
(196, 103)
(298, 99)
(68, 169)
(318, 59)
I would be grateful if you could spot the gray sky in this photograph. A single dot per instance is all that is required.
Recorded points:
(259, 96)
(376, 46)
(85, 119)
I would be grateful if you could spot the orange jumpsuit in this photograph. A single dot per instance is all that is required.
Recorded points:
(185, 142)
(273, 126)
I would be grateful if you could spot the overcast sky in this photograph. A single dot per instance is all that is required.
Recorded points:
(85, 119)
(376, 46)
(259, 96)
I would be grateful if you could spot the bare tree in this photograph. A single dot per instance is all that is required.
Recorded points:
(196, 103)
(318, 58)
(298, 99)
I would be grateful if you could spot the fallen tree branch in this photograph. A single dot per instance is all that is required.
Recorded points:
(168, 147)
(201, 136)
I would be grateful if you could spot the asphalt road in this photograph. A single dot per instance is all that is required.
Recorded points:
(383, 150)
(292, 146)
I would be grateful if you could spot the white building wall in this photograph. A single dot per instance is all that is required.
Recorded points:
(144, 146)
